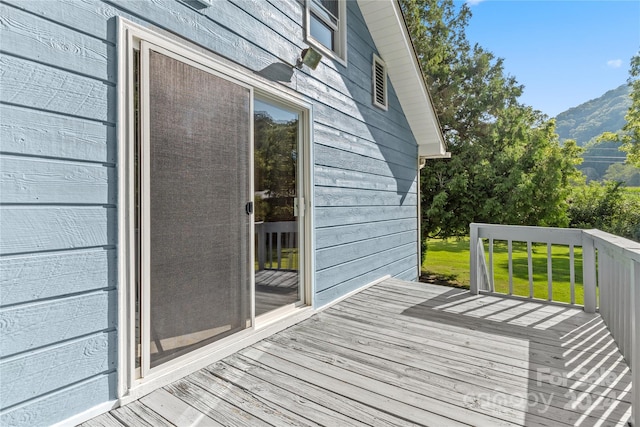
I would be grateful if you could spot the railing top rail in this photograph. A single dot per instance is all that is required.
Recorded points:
(625, 247)
(559, 236)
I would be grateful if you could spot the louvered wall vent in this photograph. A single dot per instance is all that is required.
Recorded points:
(379, 82)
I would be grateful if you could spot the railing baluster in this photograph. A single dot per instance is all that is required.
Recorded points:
(609, 291)
(473, 259)
(572, 274)
(491, 281)
(602, 286)
(549, 273)
(614, 304)
(270, 250)
(617, 278)
(510, 250)
(530, 267)
(617, 289)
(625, 295)
(279, 245)
(589, 274)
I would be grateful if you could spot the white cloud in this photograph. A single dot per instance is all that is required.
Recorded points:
(474, 2)
(614, 63)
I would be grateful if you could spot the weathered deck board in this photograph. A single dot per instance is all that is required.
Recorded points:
(303, 398)
(436, 368)
(508, 338)
(137, 414)
(334, 381)
(404, 353)
(176, 411)
(275, 288)
(106, 420)
(447, 358)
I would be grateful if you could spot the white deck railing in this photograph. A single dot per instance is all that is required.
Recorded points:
(271, 239)
(610, 272)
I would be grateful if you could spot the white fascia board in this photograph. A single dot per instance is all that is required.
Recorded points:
(388, 30)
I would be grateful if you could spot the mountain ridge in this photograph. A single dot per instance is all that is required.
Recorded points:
(591, 118)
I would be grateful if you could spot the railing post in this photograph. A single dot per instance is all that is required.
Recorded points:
(589, 273)
(635, 343)
(473, 261)
(260, 244)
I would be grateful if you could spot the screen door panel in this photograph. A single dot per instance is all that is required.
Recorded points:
(199, 283)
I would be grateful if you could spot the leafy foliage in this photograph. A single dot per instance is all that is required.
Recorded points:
(275, 165)
(507, 165)
(629, 137)
(631, 141)
(599, 154)
(606, 206)
(626, 174)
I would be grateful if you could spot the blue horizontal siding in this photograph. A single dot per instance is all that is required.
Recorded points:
(340, 234)
(33, 277)
(51, 228)
(330, 257)
(375, 271)
(36, 373)
(36, 133)
(30, 84)
(352, 270)
(58, 302)
(58, 202)
(56, 45)
(331, 216)
(29, 180)
(33, 326)
(61, 404)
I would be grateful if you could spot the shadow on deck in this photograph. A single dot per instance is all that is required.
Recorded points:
(404, 353)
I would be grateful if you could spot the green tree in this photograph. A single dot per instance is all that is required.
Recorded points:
(275, 167)
(507, 165)
(607, 207)
(625, 173)
(631, 142)
(598, 155)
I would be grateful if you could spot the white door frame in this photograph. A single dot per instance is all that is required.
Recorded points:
(130, 383)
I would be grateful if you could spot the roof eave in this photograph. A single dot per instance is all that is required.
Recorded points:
(396, 48)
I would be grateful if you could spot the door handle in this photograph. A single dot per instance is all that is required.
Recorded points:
(248, 208)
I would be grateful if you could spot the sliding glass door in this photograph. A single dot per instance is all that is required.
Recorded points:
(217, 220)
(278, 206)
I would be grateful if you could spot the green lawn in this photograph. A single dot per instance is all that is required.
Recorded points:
(288, 261)
(632, 191)
(449, 260)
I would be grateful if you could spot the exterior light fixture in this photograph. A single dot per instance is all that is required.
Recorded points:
(309, 57)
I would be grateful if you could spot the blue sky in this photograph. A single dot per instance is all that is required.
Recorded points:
(563, 52)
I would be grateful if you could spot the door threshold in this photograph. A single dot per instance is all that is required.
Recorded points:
(277, 314)
(207, 355)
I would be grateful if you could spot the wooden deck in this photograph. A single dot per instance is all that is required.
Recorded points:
(275, 288)
(403, 353)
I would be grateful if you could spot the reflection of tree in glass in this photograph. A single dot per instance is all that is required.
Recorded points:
(275, 167)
